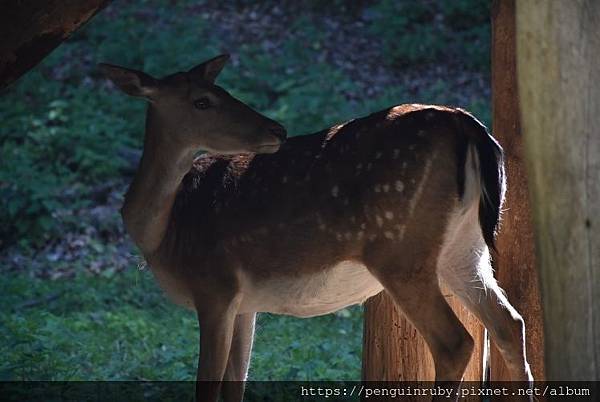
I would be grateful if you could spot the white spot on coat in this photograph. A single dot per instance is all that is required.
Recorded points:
(335, 190)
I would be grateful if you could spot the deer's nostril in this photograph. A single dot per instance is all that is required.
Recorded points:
(278, 131)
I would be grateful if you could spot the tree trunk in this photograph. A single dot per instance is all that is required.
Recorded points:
(393, 350)
(515, 263)
(31, 29)
(558, 59)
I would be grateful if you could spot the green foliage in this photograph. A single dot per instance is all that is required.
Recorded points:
(455, 31)
(304, 95)
(95, 329)
(51, 159)
(121, 328)
(327, 347)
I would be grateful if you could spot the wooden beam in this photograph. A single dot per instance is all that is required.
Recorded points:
(393, 350)
(558, 59)
(515, 264)
(31, 29)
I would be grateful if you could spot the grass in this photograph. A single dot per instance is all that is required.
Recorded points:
(121, 327)
(64, 133)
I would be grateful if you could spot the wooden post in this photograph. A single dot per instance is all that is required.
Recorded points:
(558, 65)
(31, 29)
(515, 263)
(393, 350)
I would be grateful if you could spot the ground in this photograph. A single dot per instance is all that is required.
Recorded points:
(76, 300)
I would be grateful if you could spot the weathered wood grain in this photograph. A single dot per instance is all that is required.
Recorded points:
(558, 59)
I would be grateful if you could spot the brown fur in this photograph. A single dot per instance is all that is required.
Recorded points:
(241, 204)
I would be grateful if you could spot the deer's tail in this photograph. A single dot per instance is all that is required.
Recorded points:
(481, 173)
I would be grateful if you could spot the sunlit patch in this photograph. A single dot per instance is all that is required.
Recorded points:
(392, 114)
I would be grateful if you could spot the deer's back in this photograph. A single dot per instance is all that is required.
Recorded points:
(322, 199)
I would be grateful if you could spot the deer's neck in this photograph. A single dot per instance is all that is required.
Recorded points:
(149, 200)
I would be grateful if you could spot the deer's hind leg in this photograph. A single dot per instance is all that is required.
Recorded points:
(415, 288)
(464, 266)
(471, 279)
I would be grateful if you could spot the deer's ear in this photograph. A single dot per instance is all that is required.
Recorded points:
(209, 70)
(132, 82)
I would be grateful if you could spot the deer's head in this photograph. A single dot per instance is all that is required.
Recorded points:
(192, 110)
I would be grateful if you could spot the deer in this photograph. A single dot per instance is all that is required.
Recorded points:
(405, 200)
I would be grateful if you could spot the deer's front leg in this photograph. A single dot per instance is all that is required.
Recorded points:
(216, 332)
(239, 358)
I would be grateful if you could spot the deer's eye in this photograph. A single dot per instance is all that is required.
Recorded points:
(202, 103)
